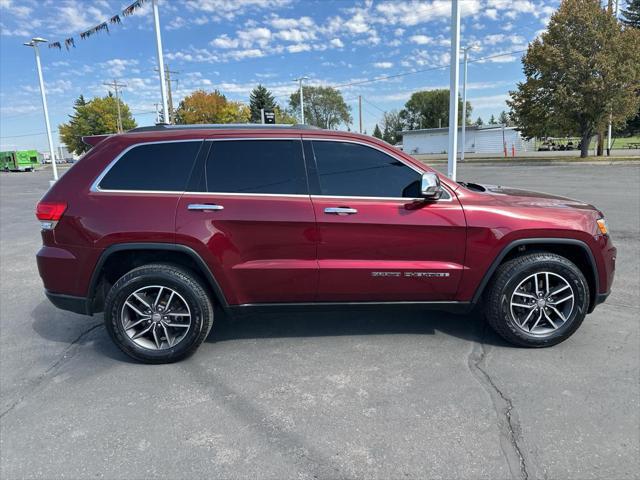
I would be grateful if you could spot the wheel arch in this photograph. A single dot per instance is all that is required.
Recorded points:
(575, 250)
(119, 258)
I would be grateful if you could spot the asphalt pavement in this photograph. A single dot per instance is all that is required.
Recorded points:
(376, 395)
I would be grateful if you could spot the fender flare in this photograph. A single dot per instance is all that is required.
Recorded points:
(173, 247)
(536, 241)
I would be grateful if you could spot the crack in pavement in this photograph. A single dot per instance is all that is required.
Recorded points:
(67, 354)
(508, 423)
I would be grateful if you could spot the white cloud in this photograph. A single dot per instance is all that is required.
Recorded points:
(118, 66)
(260, 36)
(230, 9)
(336, 42)
(21, 11)
(295, 35)
(420, 39)
(299, 47)
(492, 13)
(383, 64)
(223, 41)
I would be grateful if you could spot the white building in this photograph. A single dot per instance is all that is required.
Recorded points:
(490, 139)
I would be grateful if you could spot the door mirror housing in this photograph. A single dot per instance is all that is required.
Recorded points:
(430, 187)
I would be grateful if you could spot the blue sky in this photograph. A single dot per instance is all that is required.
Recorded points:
(232, 45)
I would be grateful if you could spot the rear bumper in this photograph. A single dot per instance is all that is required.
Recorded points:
(69, 302)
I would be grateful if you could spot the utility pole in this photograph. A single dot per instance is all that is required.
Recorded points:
(453, 89)
(116, 86)
(360, 111)
(163, 85)
(300, 80)
(34, 44)
(167, 74)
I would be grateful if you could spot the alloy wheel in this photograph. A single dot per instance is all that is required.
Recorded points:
(542, 303)
(156, 317)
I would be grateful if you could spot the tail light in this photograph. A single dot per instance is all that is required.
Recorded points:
(49, 213)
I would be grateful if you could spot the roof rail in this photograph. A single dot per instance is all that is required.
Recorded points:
(221, 126)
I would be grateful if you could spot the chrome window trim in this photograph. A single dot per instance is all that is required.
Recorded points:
(375, 147)
(95, 186)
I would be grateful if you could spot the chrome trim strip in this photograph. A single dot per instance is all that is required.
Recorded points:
(236, 194)
(402, 199)
(95, 186)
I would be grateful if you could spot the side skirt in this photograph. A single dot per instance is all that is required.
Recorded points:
(257, 308)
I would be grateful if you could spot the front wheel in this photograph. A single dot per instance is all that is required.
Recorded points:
(537, 300)
(158, 313)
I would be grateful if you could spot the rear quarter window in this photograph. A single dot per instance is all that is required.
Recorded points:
(164, 166)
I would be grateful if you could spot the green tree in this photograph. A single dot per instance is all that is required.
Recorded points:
(631, 15)
(578, 72)
(260, 98)
(210, 107)
(492, 120)
(324, 107)
(283, 117)
(505, 119)
(376, 132)
(392, 125)
(479, 122)
(98, 116)
(430, 109)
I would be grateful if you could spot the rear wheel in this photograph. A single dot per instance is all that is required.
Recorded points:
(537, 300)
(158, 313)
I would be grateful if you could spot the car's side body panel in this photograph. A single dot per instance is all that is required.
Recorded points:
(277, 249)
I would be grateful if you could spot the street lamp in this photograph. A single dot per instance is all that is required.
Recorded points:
(34, 44)
(465, 50)
(300, 80)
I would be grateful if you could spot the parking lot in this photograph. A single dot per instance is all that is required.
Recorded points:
(325, 395)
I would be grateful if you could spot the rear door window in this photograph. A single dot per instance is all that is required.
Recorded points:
(256, 166)
(164, 167)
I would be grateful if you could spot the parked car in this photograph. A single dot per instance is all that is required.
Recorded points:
(157, 226)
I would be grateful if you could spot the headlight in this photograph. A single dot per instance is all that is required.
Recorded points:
(602, 226)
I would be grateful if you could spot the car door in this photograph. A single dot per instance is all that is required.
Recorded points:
(378, 241)
(250, 217)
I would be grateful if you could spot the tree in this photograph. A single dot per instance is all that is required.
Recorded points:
(260, 98)
(582, 69)
(282, 116)
(631, 16)
(98, 116)
(492, 120)
(324, 107)
(505, 119)
(430, 109)
(376, 132)
(210, 107)
(392, 125)
(479, 122)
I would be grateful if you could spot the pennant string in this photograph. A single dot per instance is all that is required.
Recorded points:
(114, 20)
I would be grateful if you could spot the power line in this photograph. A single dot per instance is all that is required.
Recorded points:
(413, 72)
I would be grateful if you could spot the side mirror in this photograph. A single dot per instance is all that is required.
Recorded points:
(430, 188)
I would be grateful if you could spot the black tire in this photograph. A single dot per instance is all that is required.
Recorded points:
(181, 280)
(507, 278)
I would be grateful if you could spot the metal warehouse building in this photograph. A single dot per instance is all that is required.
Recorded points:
(490, 139)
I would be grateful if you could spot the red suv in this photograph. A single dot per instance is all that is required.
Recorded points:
(156, 226)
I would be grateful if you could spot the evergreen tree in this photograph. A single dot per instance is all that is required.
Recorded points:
(479, 122)
(260, 98)
(631, 15)
(503, 119)
(376, 132)
(492, 120)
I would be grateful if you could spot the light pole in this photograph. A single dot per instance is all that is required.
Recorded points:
(163, 85)
(453, 89)
(464, 98)
(300, 80)
(34, 44)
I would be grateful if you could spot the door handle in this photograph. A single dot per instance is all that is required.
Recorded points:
(204, 206)
(340, 211)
